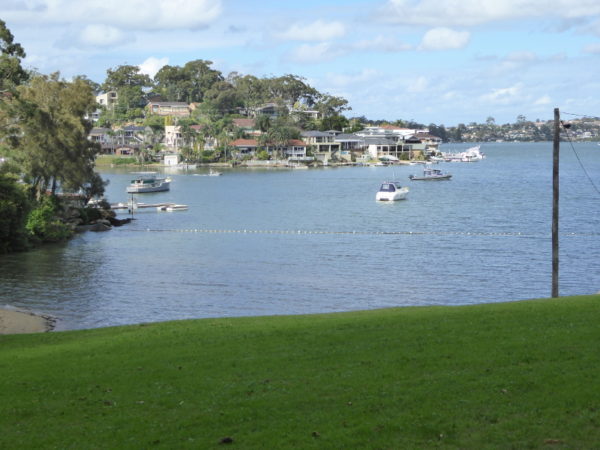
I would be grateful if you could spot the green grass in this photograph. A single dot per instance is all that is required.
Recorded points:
(512, 375)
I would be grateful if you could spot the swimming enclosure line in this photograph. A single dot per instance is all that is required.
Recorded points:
(358, 233)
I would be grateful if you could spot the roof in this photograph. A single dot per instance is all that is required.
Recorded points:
(244, 143)
(315, 134)
(170, 104)
(379, 141)
(348, 138)
(244, 123)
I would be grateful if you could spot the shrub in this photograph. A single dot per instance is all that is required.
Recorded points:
(44, 225)
(14, 207)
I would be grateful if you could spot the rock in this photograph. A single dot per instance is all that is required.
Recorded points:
(93, 227)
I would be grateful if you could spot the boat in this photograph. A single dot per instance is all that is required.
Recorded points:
(148, 182)
(469, 155)
(431, 174)
(172, 207)
(391, 191)
(214, 173)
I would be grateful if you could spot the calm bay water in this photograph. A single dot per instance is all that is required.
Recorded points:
(309, 241)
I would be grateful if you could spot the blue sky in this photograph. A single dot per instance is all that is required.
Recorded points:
(433, 61)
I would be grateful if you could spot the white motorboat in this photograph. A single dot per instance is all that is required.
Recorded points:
(469, 155)
(431, 174)
(391, 191)
(148, 182)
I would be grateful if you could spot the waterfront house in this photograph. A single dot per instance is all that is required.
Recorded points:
(376, 147)
(293, 150)
(176, 109)
(171, 159)
(351, 146)
(322, 145)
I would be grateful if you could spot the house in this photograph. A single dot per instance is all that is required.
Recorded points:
(350, 145)
(177, 109)
(293, 150)
(173, 138)
(100, 136)
(322, 144)
(245, 147)
(247, 125)
(171, 159)
(376, 147)
(107, 99)
(272, 110)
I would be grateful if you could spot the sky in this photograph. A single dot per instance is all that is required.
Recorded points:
(431, 61)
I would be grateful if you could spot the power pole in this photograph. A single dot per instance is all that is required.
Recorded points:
(555, 198)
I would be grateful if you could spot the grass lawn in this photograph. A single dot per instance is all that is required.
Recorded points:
(512, 375)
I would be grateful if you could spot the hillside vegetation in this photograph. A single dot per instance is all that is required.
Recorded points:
(512, 375)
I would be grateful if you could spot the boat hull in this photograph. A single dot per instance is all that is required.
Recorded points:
(391, 196)
(144, 186)
(430, 178)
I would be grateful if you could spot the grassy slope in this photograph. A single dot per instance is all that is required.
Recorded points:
(513, 375)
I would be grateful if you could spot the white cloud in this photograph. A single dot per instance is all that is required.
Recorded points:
(592, 48)
(382, 44)
(520, 57)
(102, 36)
(503, 96)
(342, 80)
(152, 65)
(309, 54)
(131, 15)
(419, 85)
(444, 39)
(545, 100)
(477, 12)
(316, 31)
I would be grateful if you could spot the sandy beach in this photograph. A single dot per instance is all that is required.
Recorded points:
(13, 322)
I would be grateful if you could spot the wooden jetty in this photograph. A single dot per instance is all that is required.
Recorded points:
(158, 206)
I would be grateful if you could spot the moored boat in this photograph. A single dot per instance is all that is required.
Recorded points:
(148, 182)
(431, 174)
(391, 191)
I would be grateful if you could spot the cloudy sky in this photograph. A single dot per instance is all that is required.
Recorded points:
(433, 61)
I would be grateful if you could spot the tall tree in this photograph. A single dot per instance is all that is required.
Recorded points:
(129, 84)
(50, 138)
(11, 72)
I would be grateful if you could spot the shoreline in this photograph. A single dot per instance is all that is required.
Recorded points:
(13, 321)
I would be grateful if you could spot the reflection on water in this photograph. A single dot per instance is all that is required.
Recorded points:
(484, 236)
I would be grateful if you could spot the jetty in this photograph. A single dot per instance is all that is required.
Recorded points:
(157, 206)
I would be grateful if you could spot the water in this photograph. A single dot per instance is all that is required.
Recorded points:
(309, 241)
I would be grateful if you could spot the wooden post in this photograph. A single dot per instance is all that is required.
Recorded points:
(555, 198)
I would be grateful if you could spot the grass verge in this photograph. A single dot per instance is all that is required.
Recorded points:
(511, 375)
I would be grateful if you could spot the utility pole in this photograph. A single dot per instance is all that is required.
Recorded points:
(555, 198)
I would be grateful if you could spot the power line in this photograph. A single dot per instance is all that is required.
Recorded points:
(585, 116)
(566, 128)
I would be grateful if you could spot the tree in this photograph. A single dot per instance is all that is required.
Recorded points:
(11, 53)
(329, 105)
(50, 137)
(129, 84)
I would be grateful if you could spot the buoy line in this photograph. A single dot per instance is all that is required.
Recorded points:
(358, 233)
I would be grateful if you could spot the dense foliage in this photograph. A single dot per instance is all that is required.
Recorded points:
(44, 145)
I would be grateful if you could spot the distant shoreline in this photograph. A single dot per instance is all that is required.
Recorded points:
(17, 322)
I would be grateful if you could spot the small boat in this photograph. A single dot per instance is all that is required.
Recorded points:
(431, 174)
(172, 207)
(214, 173)
(148, 182)
(391, 191)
